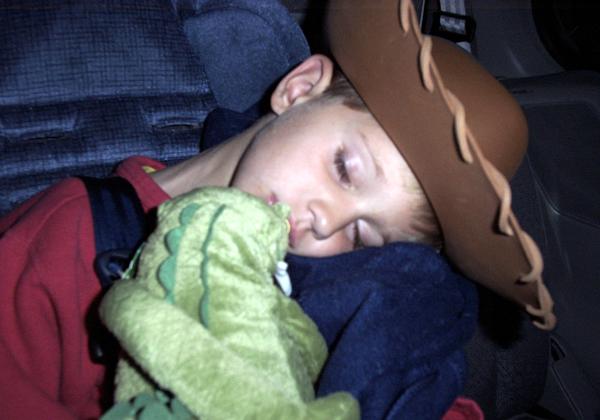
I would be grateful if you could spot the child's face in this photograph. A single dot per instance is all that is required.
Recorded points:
(345, 181)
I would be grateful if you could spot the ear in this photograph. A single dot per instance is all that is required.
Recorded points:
(307, 80)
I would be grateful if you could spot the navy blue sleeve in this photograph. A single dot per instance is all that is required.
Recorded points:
(395, 320)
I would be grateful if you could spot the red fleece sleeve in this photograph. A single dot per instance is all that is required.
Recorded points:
(464, 409)
(46, 289)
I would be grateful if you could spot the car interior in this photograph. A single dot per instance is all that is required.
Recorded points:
(60, 117)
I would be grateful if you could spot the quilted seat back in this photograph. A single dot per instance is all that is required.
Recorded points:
(84, 84)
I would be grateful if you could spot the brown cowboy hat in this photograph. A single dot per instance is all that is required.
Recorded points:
(460, 131)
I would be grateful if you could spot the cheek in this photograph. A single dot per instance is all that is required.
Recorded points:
(243, 180)
(269, 165)
(252, 170)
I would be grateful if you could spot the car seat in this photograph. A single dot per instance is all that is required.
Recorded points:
(85, 84)
(563, 114)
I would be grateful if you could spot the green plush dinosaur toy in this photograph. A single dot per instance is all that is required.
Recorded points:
(204, 330)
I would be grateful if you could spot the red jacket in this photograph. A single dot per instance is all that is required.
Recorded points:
(47, 285)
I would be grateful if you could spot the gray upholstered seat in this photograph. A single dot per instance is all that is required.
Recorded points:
(85, 84)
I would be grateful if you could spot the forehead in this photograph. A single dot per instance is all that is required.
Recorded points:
(332, 113)
(362, 124)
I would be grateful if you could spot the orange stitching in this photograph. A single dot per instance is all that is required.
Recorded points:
(466, 142)
(460, 124)
(533, 254)
(502, 189)
(405, 6)
(425, 63)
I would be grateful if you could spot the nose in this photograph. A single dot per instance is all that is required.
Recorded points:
(329, 218)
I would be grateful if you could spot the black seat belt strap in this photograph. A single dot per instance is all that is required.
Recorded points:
(119, 228)
(119, 225)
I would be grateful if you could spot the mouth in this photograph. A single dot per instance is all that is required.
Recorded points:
(272, 199)
(292, 233)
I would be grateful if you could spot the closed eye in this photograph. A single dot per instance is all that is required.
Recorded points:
(358, 243)
(340, 166)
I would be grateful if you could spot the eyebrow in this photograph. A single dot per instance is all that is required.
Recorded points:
(378, 168)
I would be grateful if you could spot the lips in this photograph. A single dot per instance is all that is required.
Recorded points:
(292, 235)
(272, 199)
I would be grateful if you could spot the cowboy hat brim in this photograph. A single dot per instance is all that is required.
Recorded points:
(459, 130)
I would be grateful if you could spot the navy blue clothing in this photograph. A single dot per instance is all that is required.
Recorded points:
(395, 320)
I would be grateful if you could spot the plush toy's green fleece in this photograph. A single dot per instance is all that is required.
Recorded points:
(205, 333)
